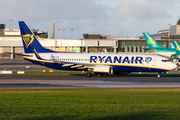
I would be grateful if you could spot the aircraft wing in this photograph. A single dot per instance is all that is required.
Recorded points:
(75, 64)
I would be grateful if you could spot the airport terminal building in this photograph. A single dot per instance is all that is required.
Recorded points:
(10, 41)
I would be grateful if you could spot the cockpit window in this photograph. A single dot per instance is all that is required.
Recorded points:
(165, 60)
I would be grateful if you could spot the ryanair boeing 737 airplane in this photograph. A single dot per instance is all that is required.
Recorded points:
(97, 63)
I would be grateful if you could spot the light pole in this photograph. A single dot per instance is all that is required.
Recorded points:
(63, 33)
(169, 34)
(72, 33)
(59, 32)
(53, 30)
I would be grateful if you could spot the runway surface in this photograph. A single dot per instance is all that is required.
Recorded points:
(52, 82)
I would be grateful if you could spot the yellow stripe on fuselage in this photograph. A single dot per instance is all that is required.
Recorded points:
(102, 71)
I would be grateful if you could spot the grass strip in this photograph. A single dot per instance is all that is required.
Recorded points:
(91, 104)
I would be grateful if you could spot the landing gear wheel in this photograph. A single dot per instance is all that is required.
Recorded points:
(88, 74)
(159, 75)
(100, 75)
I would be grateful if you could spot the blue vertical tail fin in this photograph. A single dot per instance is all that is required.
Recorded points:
(151, 42)
(29, 40)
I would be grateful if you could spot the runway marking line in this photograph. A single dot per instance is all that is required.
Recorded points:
(152, 89)
(14, 91)
(113, 90)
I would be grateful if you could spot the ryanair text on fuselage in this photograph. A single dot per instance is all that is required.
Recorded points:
(119, 59)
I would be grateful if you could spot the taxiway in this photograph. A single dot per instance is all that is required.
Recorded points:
(52, 82)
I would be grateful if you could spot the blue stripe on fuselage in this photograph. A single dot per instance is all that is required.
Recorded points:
(136, 69)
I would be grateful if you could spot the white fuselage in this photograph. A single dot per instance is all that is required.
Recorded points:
(133, 60)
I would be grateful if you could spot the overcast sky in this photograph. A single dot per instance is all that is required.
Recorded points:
(114, 17)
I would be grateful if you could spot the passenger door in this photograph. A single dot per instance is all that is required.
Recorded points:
(154, 62)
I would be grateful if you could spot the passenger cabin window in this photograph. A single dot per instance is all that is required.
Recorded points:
(165, 60)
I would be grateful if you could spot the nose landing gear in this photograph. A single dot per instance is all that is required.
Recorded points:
(159, 75)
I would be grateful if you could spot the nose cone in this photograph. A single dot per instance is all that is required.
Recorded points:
(172, 66)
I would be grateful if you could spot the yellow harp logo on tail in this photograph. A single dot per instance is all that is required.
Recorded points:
(28, 39)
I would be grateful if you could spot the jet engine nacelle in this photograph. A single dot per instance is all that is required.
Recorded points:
(102, 70)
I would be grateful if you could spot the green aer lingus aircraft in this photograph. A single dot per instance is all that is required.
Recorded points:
(171, 45)
(153, 46)
(177, 48)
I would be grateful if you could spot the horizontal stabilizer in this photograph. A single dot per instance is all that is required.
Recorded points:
(20, 54)
(150, 50)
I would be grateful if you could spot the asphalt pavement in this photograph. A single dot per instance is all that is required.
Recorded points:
(51, 82)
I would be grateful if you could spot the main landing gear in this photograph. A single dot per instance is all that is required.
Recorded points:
(100, 75)
(88, 74)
